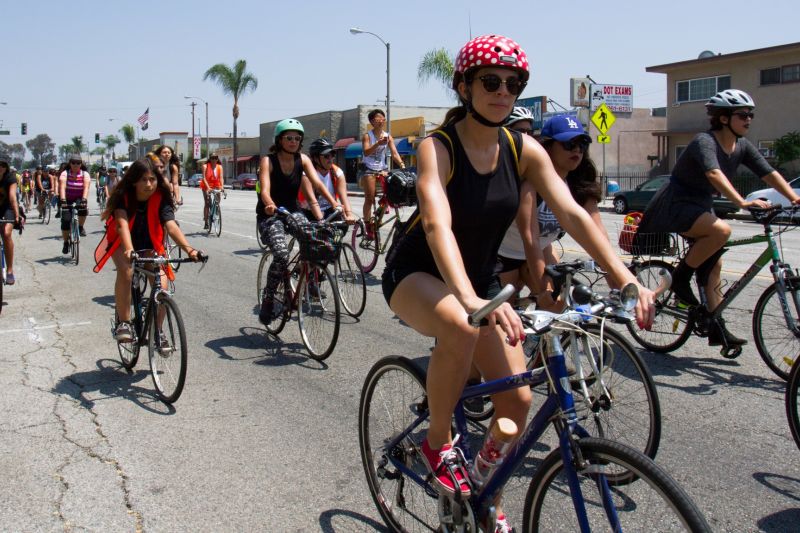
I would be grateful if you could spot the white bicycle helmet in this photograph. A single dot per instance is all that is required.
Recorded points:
(729, 99)
(519, 113)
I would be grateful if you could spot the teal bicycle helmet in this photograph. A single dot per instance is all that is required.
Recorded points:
(288, 124)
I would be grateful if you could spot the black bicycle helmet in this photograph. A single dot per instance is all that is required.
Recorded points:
(320, 147)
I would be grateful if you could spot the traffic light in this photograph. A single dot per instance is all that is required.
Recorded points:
(24, 128)
(96, 138)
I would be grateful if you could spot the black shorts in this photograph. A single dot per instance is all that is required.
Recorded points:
(507, 264)
(392, 277)
(66, 216)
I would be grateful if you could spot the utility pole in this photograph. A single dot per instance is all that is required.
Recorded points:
(193, 104)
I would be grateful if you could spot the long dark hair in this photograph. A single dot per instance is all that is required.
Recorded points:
(173, 160)
(5, 165)
(582, 181)
(126, 188)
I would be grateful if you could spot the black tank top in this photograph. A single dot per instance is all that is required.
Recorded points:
(482, 207)
(283, 189)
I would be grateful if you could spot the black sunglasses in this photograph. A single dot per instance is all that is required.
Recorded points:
(74, 162)
(744, 115)
(526, 131)
(581, 144)
(492, 82)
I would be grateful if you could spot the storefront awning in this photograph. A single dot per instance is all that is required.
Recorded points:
(244, 158)
(343, 143)
(353, 151)
(404, 147)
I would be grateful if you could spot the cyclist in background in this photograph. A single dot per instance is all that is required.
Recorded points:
(44, 186)
(212, 182)
(527, 246)
(26, 189)
(101, 183)
(282, 174)
(684, 204)
(9, 210)
(73, 186)
(113, 179)
(172, 171)
(442, 267)
(375, 144)
(138, 213)
(321, 155)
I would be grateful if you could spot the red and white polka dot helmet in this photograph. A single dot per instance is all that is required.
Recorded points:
(492, 51)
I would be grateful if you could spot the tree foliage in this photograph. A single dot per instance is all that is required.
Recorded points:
(787, 148)
(436, 64)
(234, 81)
(128, 133)
(42, 148)
(14, 154)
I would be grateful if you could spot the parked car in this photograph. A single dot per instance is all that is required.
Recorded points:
(245, 181)
(195, 180)
(773, 196)
(638, 198)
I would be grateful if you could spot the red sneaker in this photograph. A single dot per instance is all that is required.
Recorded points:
(437, 460)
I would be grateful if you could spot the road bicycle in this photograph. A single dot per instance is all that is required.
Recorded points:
(214, 213)
(158, 324)
(623, 405)
(101, 198)
(47, 207)
(367, 240)
(3, 259)
(308, 286)
(587, 483)
(74, 231)
(776, 316)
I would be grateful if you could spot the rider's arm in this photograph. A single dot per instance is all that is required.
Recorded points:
(722, 184)
(62, 187)
(590, 206)
(780, 184)
(368, 148)
(204, 181)
(311, 172)
(528, 226)
(308, 193)
(124, 232)
(87, 181)
(263, 178)
(12, 199)
(535, 165)
(341, 192)
(395, 156)
(179, 238)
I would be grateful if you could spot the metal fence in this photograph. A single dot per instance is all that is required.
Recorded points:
(744, 183)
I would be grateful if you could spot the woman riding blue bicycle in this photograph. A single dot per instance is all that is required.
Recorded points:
(684, 205)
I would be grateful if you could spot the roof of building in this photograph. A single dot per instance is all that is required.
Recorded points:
(724, 57)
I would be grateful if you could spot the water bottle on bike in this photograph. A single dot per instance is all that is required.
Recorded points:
(498, 442)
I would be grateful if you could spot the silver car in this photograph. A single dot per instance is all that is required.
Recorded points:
(773, 196)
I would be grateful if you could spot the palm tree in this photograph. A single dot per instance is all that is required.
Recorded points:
(437, 64)
(101, 151)
(129, 134)
(77, 142)
(236, 82)
(111, 141)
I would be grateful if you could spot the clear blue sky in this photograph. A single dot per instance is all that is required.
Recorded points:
(70, 66)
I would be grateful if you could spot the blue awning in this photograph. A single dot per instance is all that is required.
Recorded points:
(403, 146)
(353, 151)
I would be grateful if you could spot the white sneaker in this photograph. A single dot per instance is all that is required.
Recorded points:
(124, 332)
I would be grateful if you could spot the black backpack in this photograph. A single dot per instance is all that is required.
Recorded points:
(401, 188)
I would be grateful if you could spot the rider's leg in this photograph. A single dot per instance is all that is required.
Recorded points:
(206, 201)
(709, 276)
(8, 247)
(368, 182)
(709, 234)
(122, 285)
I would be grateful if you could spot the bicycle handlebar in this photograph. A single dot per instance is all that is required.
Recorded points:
(12, 221)
(476, 318)
(160, 260)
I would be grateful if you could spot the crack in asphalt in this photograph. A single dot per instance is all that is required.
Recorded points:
(61, 345)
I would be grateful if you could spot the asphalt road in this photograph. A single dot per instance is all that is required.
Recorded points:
(264, 438)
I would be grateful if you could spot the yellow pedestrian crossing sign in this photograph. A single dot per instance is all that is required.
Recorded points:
(603, 139)
(603, 119)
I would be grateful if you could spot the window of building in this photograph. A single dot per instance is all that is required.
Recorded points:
(771, 76)
(701, 88)
(790, 74)
(767, 148)
(679, 150)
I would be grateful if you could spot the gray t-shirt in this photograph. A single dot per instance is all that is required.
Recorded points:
(704, 154)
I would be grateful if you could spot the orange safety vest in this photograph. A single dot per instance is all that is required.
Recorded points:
(212, 177)
(111, 241)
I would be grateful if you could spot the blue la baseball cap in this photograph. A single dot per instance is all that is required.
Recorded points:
(564, 128)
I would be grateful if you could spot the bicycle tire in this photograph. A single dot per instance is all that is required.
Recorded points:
(350, 281)
(48, 209)
(792, 399)
(632, 415)
(167, 361)
(218, 221)
(2, 284)
(393, 394)
(367, 248)
(318, 310)
(654, 502)
(173, 252)
(261, 243)
(129, 351)
(261, 274)
(775, 342)
(210, 219)
(671, 325)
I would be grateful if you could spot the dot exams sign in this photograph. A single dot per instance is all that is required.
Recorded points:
(618, 98)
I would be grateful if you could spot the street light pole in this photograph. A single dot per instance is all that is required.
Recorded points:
(356, 31)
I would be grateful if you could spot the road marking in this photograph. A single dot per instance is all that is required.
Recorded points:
(32, 334)
(48, 326)
(225, 232)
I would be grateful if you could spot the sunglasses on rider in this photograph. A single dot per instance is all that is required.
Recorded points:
(580, 144)
(492, 82)
(293, 138)
(327, 156)
(74, 162)
(744, 115)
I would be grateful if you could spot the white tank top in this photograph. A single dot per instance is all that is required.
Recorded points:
(377, 160)
(549, 229)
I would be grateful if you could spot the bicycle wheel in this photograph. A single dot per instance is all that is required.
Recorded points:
(129, 351)
(777, 345)
(2, 284)
(655, 502)
(173, 252)
(261, 274)
(217, 229)
(623, 406)
(76, 242)
(391, 399)
(671, 328)
(366, 246)
(261, 243)
(48, 208)
(166, 346)
(211, 208)
(318, 310)
(350, 281)
(793, 401)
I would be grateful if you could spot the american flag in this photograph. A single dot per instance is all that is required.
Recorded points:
(144, 118)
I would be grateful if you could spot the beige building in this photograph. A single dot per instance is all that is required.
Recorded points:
(770, 75)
